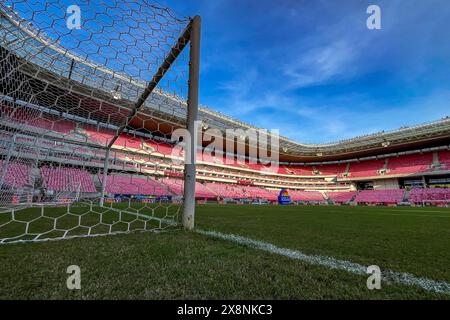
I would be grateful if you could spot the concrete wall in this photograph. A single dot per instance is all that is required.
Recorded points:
(386, 184)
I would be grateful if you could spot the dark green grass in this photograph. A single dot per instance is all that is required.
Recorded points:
(178, 264)
(174, 265)
(415, 240)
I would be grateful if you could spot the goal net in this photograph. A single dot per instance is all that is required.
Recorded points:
(436, 203)
(89, 98)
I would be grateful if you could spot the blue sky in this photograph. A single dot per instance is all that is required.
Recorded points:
(313, 70)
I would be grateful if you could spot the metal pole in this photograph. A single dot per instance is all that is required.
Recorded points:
(105, 173)
(162, 70)
(189, 167)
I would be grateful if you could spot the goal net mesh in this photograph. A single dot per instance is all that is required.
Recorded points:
(437, 203)
(76, 156)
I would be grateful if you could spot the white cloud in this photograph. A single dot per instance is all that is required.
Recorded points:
(320, 64)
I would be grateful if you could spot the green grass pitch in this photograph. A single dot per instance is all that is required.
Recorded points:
(175, 264)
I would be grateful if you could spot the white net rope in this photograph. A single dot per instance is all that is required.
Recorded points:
(75, 159)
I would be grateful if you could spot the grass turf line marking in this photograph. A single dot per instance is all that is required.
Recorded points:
(332, 263)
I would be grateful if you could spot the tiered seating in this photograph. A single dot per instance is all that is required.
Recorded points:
(282, 170)
(177, 187)
(402, 165)
(17, 174)
(419, 195)
(241, 192)
(201, 191)
(300, 170)
(37, 119)
(341, 197)
(305, 195)
(387, 196)
(159, 147)
(134, 185)
(365, 168)
(252, 192)
(332, 169)
(208, 158)
(174, 185)
(225, 190)
(444, 159)
(67, 179)
(408, 164)
(98, 135)
(129, 142)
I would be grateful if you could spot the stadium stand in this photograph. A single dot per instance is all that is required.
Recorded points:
(331, 169)
(417, 195)
(365, 168)
(306, 195)
(17, 174)
(67, 179)
(252, 192)
(444, 159)
(134, 185)
(392, 196)
(156, 154)
(408, 164)
(22, 115)
(201, 191)
(225, 190)
(300, 170)
(341, 197)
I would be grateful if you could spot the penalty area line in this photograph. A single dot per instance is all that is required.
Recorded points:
(332, 263)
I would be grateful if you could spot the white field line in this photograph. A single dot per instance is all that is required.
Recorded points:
(332, 263)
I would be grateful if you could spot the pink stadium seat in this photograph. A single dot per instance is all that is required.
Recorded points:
(387, 196)
(174, 185)
(17, 174)
(410, 163)
(332, 169)
(225, 190)
(37, 119)
(252, 192)
(282, 170)
(134, 185)
(305, 195)
(177, 187)
(159, 147)
(208, 158)
(129, 142)
(67, 179)
(201, 191)
(300, 170)
(341, 197)
(98, 135)
(418, 195)
(365, 168)
(444, 159)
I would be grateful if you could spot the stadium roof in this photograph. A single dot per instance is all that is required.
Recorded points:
(46, 60)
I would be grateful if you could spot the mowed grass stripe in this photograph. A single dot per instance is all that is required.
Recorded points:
(403, 243)
(176, 265)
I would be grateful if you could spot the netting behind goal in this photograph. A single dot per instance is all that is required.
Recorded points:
(436, 203)
(89, 97)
